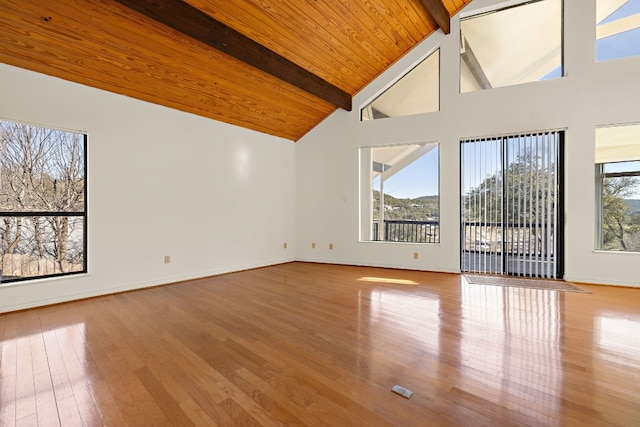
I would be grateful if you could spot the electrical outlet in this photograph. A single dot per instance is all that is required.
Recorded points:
(167, 259)
(313, 246)
(330, 245)
(415, 255)
(285, 245)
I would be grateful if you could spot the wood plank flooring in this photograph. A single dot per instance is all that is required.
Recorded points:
(322, 345)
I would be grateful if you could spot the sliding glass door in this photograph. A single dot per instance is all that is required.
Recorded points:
(511, 220)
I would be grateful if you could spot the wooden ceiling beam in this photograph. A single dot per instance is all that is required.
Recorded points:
(439, 13)
(198, 25)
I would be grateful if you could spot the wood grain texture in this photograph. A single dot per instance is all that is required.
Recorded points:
(196, 24)
(309, 344)
(103, 44)
(454, 6)
(439, 13)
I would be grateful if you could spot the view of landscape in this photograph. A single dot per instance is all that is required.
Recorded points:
(408, 220)
(621, 214)
(42, 201)
(405, 177)
(511, 204)
(425, 208)
(416, 219)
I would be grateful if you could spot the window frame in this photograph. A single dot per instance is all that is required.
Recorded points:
(600, 54)
(398, 79)
(54, 214)
(601, 175)
(502, 8)
(366, 197)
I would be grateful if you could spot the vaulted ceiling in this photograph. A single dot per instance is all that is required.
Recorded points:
(274, 66)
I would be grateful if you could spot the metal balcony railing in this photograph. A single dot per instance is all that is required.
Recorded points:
(514, 238)
(407, 231)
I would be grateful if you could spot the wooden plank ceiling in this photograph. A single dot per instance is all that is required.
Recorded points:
(332, 48)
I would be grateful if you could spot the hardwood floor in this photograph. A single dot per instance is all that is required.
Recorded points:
(311, 344)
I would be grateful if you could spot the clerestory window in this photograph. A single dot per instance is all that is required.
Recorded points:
(418, 91)
(617, 29)
(510, 46)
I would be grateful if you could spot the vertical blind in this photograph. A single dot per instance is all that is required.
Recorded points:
(510, 204)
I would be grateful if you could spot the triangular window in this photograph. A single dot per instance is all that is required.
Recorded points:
(418, 91)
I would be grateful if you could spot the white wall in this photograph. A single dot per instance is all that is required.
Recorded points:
(215, 197)
(591, 94)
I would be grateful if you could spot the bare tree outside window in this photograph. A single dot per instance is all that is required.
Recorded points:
(42, 201)
(620, 226)
(617, 171)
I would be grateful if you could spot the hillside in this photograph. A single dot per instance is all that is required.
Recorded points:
(425, 208)
(634, 205)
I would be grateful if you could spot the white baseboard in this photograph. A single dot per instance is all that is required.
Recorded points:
(381, 265)
(590, 281)
(125, 287)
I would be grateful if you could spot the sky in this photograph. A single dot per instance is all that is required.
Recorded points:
(624, 44)
(625, 167)
(621, 46)
(418, 179)
(421, 177)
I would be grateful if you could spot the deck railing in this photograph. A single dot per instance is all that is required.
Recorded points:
(407, 231)
(518, 239)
